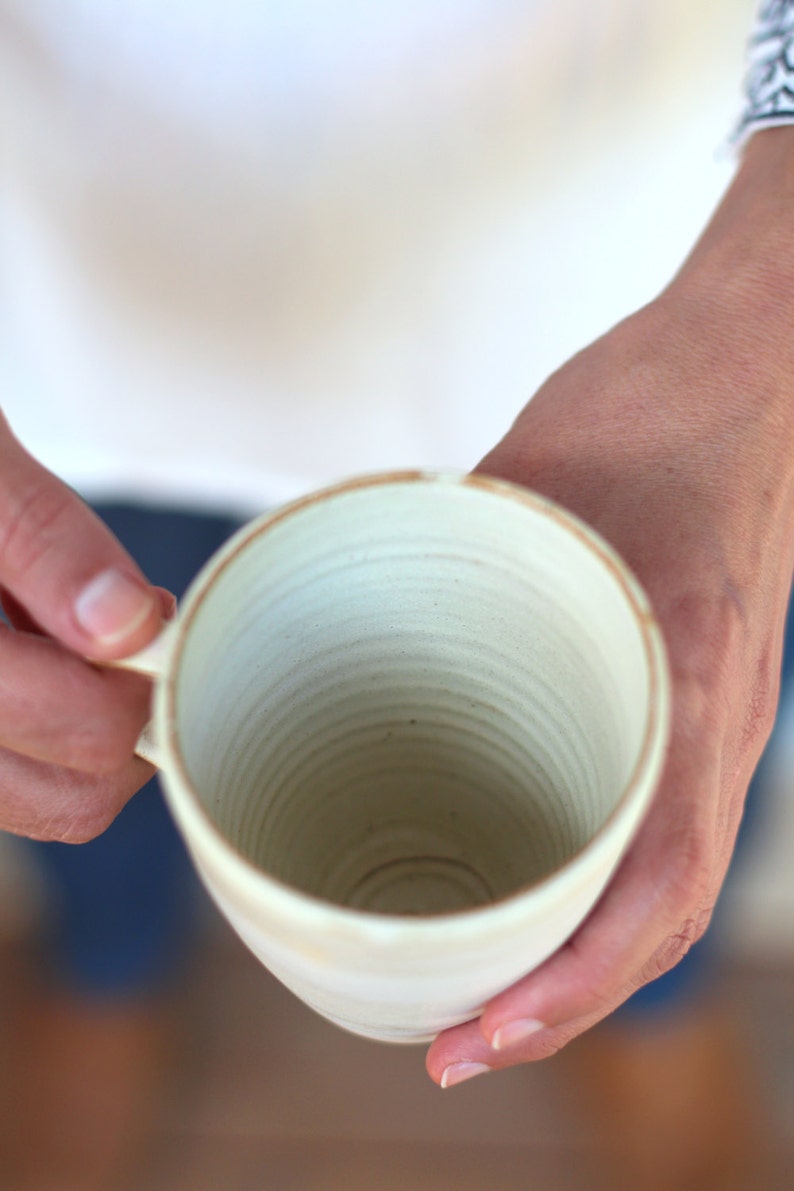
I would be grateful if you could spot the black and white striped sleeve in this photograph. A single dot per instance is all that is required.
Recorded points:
(769, 84)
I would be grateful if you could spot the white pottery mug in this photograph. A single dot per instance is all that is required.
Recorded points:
(408, 726)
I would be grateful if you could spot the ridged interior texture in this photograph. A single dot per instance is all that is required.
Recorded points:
(412, 698)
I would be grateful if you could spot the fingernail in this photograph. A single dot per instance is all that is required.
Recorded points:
(112, 606)
(515, 1031)
(460, 1072)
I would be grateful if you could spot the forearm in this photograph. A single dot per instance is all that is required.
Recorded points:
(734, 303)
(743, 264)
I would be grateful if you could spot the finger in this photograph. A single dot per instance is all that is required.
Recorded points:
(64, 567)
(57, 708)
(21, 619)
(49, 802)
(657, 905)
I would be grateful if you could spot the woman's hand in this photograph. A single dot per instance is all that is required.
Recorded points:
(70, 593)
(674, 437)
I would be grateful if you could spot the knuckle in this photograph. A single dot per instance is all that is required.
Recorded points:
(54, 805)
(550, 1042)
(677, 944)
(761, 708)
(68, 829)
(80, 828)
(79, 807)
(593, 987)
(46, 800)
(693, 872)
(33, 524)
(690, 864)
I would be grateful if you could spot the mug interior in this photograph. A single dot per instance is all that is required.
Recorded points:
(412, 697)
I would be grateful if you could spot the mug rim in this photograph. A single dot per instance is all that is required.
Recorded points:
(634, 799)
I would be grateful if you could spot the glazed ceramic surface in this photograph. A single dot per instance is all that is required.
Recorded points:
(408, 726)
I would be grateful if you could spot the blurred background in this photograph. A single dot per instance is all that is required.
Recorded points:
(249, 248)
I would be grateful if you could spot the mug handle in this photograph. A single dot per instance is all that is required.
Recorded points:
(150, 662)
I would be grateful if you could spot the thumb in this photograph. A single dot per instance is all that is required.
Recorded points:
(64, 567)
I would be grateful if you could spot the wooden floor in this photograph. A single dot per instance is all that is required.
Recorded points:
(270, 1096)
(258, 1092)
(278, 1098)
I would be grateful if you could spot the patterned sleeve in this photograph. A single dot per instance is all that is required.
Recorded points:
(769, 85)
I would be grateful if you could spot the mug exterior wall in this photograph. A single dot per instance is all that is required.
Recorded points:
(406, 978)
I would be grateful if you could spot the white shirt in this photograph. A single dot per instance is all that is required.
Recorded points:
(251, 247)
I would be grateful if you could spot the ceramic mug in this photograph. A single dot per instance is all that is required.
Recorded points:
(408, 726)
